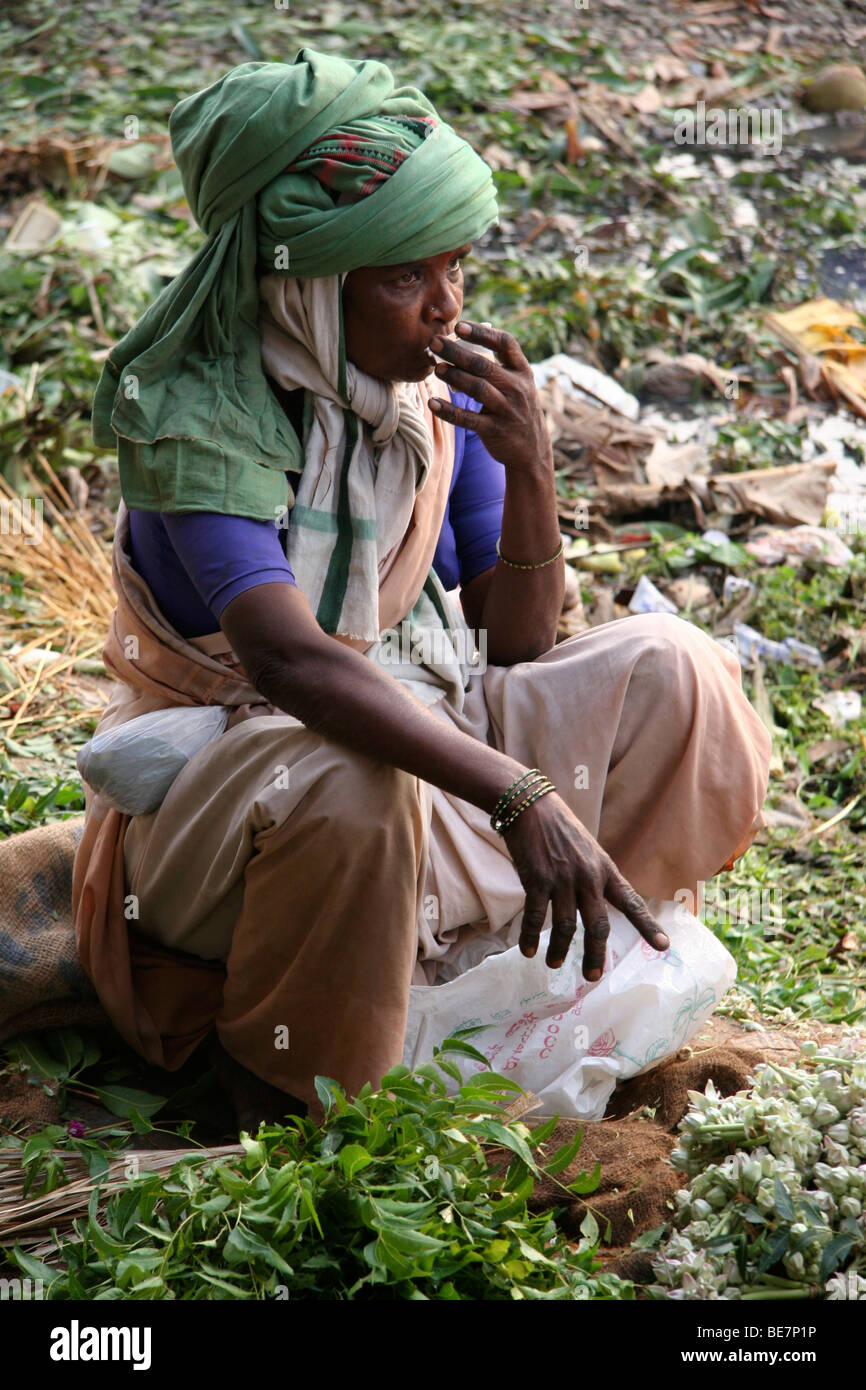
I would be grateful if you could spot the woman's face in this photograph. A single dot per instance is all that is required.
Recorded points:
(391, 312)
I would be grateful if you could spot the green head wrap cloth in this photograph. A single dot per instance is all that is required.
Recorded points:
(183, 394)
(356, 159)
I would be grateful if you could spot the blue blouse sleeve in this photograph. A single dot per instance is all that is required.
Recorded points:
(225, 555)
(475, 506)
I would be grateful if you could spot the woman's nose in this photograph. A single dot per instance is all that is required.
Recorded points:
(445, 300)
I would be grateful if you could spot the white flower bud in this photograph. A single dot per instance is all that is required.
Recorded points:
(795, 1265)
(699, 1230)
(857, 1122)
(751, 1174)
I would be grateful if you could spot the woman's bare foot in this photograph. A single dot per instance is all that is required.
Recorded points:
(254, 1101)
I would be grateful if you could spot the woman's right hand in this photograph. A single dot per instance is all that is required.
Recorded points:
(559, 862)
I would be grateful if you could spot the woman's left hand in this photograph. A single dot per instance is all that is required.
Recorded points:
(510, 423)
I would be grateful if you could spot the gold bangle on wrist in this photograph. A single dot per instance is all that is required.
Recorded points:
(517, 565)
(511, 795)
(523, 791)
(522, 805)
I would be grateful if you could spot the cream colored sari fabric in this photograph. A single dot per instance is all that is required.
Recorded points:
(288, 883)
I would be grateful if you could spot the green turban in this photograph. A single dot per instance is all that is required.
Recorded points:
(309, 168)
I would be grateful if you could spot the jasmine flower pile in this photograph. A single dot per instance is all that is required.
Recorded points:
(777, 1186)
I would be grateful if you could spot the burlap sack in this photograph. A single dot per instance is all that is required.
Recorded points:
(42, 984)
(637, 1180)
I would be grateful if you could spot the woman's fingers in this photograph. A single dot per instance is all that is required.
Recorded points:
(474, 386)
(503, 344)
(511, 423)
(534, 913)
(564, 926)
(620, 893)
(475, 364)
(572, 871)
(454, 414)
(596, 929)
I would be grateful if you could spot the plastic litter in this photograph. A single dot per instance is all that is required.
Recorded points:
(752, 644)
(713, 537)
(648, 599)
(840, 706)
(134, 765)
(587, 383)
(818, 544)
(563, 1038)
(734, 585)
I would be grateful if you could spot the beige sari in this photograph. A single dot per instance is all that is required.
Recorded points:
(288, 890)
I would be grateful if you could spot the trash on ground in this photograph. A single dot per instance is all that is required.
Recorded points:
(605, 562)
(648, 599)
(691, 592)
(735, 585)
(817, 544)
(792, 495)
(593, 440)
(751, 645)
(840, 706)
(586, 383)
(36, 227)
(677, 380)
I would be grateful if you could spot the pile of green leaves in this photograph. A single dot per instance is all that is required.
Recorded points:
(391, 1197)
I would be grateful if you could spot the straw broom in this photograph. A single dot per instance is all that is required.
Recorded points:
(32, 1221)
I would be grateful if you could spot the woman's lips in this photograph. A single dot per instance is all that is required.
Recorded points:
(434, 357)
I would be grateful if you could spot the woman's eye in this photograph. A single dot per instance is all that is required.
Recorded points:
(408, 276)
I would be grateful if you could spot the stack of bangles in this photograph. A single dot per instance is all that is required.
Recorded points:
(525, 789)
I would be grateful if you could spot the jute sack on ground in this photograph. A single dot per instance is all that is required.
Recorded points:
(42, 984)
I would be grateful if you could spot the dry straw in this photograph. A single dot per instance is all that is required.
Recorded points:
(68, 599)
(31, 1222)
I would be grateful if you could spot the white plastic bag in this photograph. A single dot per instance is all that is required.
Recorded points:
(569, 1041)
(134, 765)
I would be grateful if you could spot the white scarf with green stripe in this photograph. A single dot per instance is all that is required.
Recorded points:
(357, 489)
